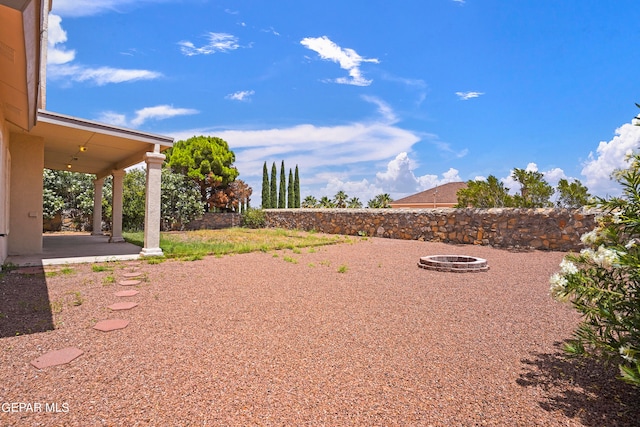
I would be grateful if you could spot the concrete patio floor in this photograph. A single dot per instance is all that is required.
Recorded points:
(76, 248)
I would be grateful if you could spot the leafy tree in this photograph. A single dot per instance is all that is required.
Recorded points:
(75, 191)
(266, 200)
(133, 199)
(180, 200)
(380, 201)
(484, 194)
(572, 195)
(340, 199)
(273, 193)
(282, 195)
(290, 196)
(354, 203)
(239, 194)
(296, 189)
(52, 203)
(535, 192)
(309, 202)
(207, 161)
(325, 202)
(602, 282)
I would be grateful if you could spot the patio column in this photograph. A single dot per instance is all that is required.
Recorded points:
(116, 208)
(152, 205)
(97, 207)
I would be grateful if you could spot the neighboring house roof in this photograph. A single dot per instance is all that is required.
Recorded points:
(442, 196)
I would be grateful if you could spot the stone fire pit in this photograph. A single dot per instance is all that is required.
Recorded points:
(454, 263)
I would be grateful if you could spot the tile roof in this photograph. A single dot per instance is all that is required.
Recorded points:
(441, 196)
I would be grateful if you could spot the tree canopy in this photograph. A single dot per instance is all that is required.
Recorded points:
(206, 160)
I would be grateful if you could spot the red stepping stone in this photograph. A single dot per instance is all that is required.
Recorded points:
(57, 357)
(129, 282)
(128, 305)
(132, 274)
(128, 293)
(111, 325)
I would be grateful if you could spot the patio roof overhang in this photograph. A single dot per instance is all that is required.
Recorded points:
(80, 145)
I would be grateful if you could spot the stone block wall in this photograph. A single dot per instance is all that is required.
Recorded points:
(545, 229)
(215, 220)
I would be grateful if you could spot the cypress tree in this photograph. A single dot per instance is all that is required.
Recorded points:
(296, 190)
(273, 195)
(282, 196)
(266, 202)
(290, 203)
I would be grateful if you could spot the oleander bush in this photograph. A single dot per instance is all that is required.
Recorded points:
(603, 281)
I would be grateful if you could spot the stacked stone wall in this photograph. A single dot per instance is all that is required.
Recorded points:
(215, 220)
(544, 229)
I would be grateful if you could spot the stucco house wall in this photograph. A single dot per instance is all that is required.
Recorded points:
(25, 213)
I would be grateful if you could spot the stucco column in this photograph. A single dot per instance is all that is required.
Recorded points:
(97, 207)
(152, 205)
(116, 208)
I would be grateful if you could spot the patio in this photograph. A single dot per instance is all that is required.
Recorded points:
(76, 248)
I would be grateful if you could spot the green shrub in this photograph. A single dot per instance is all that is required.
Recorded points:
(603, 281)
(253, 218)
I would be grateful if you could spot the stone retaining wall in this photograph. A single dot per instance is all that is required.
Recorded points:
(215, 220)
(545, 229)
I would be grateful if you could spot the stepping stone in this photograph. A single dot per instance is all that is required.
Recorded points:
(57, 357)
(129, 282)
(128, 305)
(132, 274)
(128, 293)
(111, 325)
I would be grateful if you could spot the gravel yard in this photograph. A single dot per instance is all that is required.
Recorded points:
(349, 334)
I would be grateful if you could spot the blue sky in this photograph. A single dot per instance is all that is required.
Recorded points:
(365, 96)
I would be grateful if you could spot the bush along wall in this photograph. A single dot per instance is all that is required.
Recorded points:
(544, 229)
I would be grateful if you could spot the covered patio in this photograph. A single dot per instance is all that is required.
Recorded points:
(75, 248)
(33, 138)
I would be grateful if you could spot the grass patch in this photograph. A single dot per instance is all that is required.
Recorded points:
(199, 243)
(96, 268)
(343, 268)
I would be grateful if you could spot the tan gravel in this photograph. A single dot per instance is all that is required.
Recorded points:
(287, 339)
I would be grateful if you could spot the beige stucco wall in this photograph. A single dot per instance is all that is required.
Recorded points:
(5, 168)
(25, 220)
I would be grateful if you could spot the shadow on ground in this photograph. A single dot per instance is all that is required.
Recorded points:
(582, 389)
(24, 302)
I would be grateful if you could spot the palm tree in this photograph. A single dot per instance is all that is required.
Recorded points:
(309, 202)
(326, 202)
(340, 199)
(380, 201)
(354, 203)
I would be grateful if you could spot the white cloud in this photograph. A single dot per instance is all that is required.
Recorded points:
(348, 59)
(57, 36)
(383, 108)
(468, 95)
(113, 118)
(159, 112)
(100, 76)
(400, 179)
(610, 156)
(60, 63)
(75, 8)
(217, 42)
(243, 95)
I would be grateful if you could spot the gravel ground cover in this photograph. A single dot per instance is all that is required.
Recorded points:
(350, 334)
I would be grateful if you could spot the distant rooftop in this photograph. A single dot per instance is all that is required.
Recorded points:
(442, 196)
